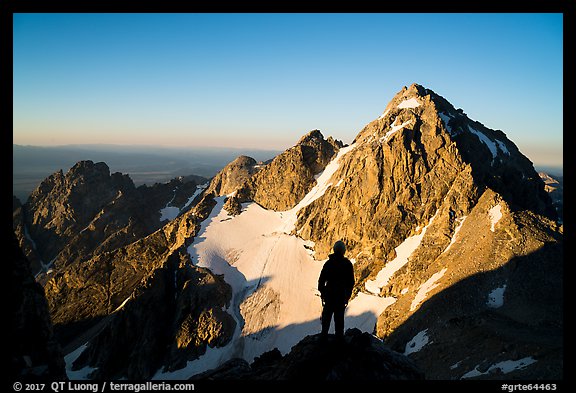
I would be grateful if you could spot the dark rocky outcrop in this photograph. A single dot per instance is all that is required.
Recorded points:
(358, 357)
(35, 354)
(27, 245)
(171, 318)
(176, 192)
(65, 205)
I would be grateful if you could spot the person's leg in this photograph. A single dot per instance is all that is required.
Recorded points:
(327, 312)
(339, 320)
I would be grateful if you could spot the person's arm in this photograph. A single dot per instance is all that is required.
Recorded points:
(322, 282)
(351, 281)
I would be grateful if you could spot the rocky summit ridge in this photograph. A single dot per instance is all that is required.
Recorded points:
(282, 183)
(419, 153)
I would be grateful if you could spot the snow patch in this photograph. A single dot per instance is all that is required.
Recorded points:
(27, 235)
(446, 119)
(455, 365)
(496, 297)
(199, 189)
(493, 146)
(495, 214)
(393, 130)
(69, 359)
(417, 342)
(403, 252)
(364, 309)
(505, 367)
(384, 114)
(122, 305)
(502, 147)
(456, 230)
(425, 288)
(487, 141)
(410, 103)
(213, 358)
(171, 212)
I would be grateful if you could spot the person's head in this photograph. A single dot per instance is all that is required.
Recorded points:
(339, 248)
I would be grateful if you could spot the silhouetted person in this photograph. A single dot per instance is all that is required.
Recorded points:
(335, 285)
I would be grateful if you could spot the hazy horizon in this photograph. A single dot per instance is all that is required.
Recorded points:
(151, 148)
(144, 164)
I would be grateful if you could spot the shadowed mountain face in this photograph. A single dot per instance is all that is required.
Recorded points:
(468, 335)
(35, 354)
(142, 306)
(173, 315)
(457, 252)
(113, 261)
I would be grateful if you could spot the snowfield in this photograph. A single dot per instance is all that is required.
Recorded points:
(410, 103)
(273, 277)
(503, 367)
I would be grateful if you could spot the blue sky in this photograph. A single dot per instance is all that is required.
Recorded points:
(264, 80)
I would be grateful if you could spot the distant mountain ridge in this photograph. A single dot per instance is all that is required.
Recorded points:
(144, 164)
(554, 186)
(456, 244)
